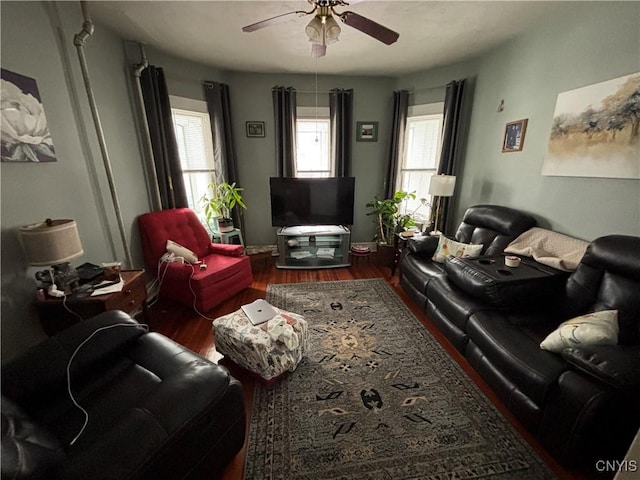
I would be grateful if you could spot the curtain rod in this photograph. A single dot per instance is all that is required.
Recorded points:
(410, 90)
(208, 84)
(424, 89)
(313, 91)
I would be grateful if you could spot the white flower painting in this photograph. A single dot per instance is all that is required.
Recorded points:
(25, 135)
(596, 131)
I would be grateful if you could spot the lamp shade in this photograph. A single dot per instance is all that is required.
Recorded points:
(51, 242)
(442, 185)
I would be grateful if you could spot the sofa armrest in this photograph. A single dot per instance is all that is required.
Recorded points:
(618, 366)
(43, 368)
(181, 371)
(191, 392)
(230, 250)
(424, 245)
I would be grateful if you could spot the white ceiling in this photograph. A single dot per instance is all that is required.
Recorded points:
(432, 33)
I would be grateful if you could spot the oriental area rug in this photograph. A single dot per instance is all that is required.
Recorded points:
(376, 397)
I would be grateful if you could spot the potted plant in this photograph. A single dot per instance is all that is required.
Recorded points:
(388, 218)
(389, 221)
(219, 202)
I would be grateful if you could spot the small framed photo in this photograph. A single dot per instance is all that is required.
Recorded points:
(514, 136)
(366, 131)
(255, 129)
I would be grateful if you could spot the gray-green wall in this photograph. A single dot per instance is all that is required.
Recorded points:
(584, 44)
(529, 73)
(251, 101)
(37, 41)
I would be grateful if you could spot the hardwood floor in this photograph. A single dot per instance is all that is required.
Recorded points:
(195, 332)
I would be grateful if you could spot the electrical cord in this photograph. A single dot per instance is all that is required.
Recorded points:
(193, 272)
(158, 281)
(160, 275)
(68, 309)
(73, 356)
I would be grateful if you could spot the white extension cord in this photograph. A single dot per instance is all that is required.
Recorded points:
(73, 356)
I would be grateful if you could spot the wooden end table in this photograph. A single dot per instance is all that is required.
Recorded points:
(133, 297)
(399, 244)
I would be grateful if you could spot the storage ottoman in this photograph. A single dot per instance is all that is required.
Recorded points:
(269, 349)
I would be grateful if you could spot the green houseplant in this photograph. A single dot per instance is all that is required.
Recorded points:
(388, 218)
(389, 221)
(219, 202)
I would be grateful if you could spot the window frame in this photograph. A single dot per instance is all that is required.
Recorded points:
(189, 106)
(418, 113)
(315, 114)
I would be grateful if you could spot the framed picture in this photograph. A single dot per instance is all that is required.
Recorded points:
(255, 129)
(25, 131)
(514, 136)
(366, 131)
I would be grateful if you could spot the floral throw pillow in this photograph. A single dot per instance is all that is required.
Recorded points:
(598, 328)
(447, 248)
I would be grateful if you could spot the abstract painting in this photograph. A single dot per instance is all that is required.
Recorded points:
(595, 131)
(25, 135)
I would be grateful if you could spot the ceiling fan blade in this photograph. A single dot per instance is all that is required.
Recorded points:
(369, 27)
(273, 21)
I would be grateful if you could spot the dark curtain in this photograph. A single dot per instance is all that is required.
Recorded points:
(341, 115)
(284, 113)
(450, 143)
(224, 151)
(400, 110)
(163, 138)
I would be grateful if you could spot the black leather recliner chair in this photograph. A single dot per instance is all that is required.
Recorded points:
(155, 409)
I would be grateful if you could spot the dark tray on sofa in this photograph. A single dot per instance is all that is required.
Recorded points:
(489, 279)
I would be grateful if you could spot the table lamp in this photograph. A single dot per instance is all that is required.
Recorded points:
(441, 186)
(54, 243)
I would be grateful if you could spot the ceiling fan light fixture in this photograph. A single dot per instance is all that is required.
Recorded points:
(323, 29)
(314, 30)
(332, 30)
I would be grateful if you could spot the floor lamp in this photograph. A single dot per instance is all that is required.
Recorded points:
(440, 186)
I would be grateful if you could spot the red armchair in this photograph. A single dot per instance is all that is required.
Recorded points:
(228, 269)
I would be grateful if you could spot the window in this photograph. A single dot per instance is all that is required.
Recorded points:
(421, 155)
(312, 141)
(195, 147)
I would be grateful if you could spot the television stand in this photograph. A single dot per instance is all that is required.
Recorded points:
(313, 246)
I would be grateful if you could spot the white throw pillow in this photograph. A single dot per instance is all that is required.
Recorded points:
(598, 328)
(180, 251)
(448, 247)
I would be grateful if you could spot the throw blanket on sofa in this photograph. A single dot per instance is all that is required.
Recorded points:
(549, 248)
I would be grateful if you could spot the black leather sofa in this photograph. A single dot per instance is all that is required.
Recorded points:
(155, 409)
(583, 404)
(493, 227)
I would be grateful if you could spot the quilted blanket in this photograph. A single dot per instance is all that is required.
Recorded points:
(549, 248)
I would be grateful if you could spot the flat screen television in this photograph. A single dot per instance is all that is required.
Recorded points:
(311, 201)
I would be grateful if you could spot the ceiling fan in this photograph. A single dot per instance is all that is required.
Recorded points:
(323, 29)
